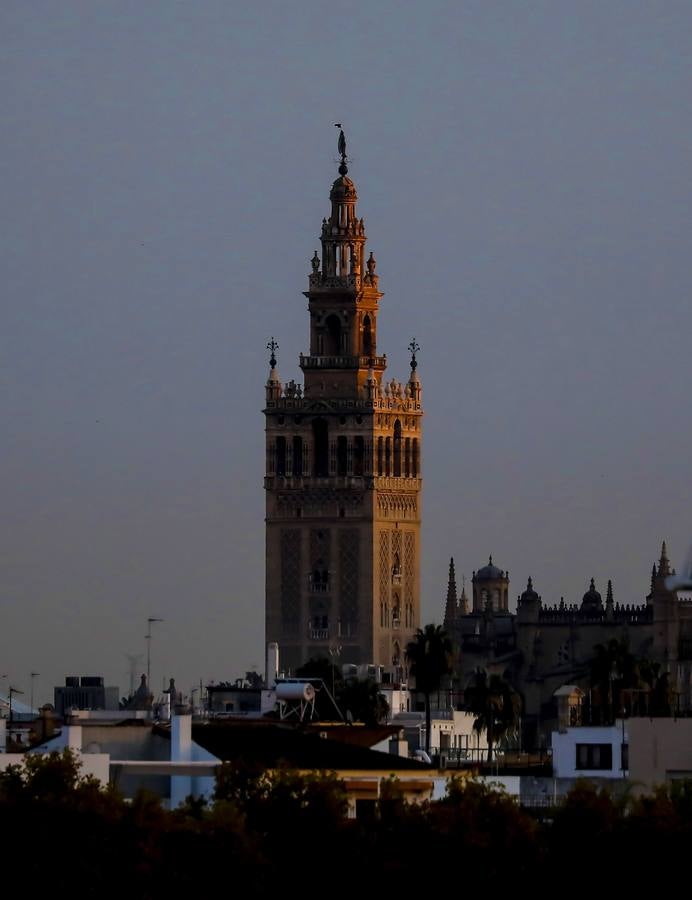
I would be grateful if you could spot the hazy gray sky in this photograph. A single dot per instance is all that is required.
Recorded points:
(524, 174)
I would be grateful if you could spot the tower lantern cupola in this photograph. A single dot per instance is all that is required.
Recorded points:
(343, 300)
(343, 234)
(490, 589)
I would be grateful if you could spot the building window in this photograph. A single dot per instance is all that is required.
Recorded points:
(333, 336)
(367, 337)
(594, 756)
(397, 449)
(320, 436)
(396, 612)
(358, 455)
(281, 456)
(297, 456)
(341, 456)
(319, 578)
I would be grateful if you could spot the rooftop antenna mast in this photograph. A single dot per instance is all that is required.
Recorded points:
(150, 622)
(32, 676)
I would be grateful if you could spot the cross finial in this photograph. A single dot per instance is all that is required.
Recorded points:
(414, 348)
(273, 346)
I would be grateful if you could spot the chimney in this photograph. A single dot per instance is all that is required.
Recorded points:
(272, 670)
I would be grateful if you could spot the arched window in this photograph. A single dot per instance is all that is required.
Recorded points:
(333, 336)
(358, 455)
(397, 449)
(320, 437)
(396, 611)
(341, 456)
(415, 459)
(380, 456)
(319, 620)
(407, 457)
(367, 337)
(297, 456)
(388, 456)
(281, 456)
(319, 578)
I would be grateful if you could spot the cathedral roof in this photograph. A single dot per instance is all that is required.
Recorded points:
(489, 572)
(529, 594)
(591, 599)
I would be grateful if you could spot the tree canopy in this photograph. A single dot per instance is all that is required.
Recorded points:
(265, 828)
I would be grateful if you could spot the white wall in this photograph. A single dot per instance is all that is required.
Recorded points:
(565, 750)
(660, 751)
(184, 749)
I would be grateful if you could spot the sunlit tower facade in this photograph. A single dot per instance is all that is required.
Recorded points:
(343, 469)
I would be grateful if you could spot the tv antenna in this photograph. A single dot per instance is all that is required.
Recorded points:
(150, 622)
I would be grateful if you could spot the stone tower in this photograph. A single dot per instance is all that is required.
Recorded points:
(343, 476)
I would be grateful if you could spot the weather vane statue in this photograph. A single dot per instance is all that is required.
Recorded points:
(273, 346)
(414, 348)
(341, 146)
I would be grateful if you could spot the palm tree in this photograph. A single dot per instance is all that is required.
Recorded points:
(429, 657)
(496, 705)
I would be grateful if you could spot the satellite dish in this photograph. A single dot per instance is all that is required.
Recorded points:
(683, 581)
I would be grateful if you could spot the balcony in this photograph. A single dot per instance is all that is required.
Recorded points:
(342, 362)
(318, 634)
(318, 587)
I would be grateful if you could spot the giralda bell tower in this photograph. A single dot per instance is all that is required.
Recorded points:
(343, 470)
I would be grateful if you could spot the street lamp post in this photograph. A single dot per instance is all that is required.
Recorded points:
(33, 675)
